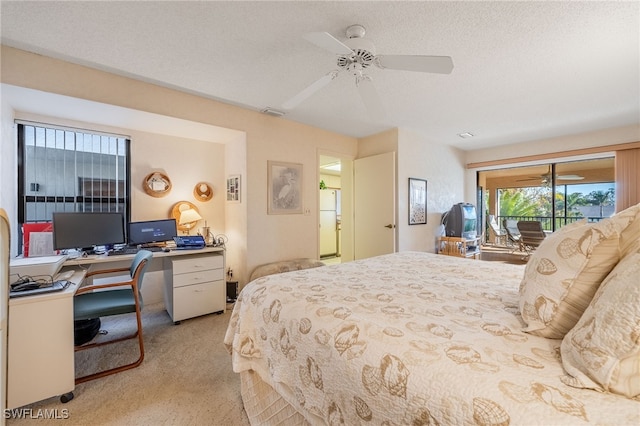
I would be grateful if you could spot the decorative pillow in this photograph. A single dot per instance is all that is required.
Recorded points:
(603, 350)
(563, 274)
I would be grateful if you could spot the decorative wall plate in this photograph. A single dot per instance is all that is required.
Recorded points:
(156, 184)
(203, 191)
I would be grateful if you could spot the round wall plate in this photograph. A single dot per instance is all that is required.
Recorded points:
(203, 191)
(156, 184)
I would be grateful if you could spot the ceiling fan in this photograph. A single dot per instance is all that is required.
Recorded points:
(545, 179)
(357, 54)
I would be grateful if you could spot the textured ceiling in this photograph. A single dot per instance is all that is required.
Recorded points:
(522, 70)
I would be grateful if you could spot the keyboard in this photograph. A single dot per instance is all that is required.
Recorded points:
(133, 250)
(40, 289)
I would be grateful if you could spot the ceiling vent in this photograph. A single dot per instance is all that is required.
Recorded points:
(273, 112)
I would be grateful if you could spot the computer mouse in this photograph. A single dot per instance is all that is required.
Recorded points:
(25, 286)
(166, 250)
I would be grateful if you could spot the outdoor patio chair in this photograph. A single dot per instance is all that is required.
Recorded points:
(499, 234)
(531, 235)
(513, 234)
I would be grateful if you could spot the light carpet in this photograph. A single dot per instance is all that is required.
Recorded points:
(185, 379)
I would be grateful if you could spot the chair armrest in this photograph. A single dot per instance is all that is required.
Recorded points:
(106, 271)
(88, 288)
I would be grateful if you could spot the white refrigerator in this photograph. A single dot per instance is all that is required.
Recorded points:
(328, 222)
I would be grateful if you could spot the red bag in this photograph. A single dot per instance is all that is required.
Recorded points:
(28, 228)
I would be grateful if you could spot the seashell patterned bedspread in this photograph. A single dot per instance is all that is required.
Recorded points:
(409, 338)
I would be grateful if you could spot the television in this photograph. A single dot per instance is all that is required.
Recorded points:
(460, 221)
(85, 231)
(152, 231)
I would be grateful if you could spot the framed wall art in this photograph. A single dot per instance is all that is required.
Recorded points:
(284, 187)
(233, 189)
(417, 201)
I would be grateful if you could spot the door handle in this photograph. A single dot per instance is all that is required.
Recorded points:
(390, 226)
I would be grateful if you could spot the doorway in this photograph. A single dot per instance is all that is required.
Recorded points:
(330, 209)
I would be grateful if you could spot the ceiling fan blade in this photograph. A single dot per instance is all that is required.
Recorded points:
(421, 63)
(310, 90)
(328, 42)
(370, 98)
(569, 177)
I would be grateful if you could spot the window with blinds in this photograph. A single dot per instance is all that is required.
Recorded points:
(70, 170)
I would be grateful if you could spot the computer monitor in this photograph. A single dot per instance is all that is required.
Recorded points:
(152, 231)
(83, 230)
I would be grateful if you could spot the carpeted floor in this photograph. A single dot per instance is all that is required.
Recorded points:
(185, 379)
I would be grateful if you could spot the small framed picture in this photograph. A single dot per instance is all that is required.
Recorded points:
(417, 201)
(284, 184)
(233, 189)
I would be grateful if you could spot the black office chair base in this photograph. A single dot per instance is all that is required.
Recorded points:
(85, 330)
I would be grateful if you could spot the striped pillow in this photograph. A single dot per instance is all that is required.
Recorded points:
(603, 350)
(564, 273)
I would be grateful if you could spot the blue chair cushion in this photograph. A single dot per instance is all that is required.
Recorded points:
(103, 303)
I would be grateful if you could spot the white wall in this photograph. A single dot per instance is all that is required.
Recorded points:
(443, 169)
(420, 157)
(8, 166)
(236, 213)
(597, 138)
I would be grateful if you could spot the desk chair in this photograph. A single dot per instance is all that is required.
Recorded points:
(88, 304)
(513, 234)
(531, 235)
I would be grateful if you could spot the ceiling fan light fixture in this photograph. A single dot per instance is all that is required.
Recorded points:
(356, 31)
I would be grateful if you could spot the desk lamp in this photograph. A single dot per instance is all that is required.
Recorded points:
(188, 219)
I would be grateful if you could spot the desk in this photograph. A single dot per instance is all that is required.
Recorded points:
(41, 362)
(40, 345)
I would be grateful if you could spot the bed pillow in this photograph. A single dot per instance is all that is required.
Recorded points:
(563, 274)
(603, 350)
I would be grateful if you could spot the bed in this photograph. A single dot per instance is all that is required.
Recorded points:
(411, 338)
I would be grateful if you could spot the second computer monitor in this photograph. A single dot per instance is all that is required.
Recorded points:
(152, 231)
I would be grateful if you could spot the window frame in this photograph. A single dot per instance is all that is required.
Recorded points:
(79, 199)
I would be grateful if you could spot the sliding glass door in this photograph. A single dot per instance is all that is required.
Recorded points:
(555, 194)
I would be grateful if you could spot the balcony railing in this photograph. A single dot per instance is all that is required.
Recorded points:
(547, 221)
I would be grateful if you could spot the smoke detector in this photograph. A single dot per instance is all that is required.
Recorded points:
(273, 112)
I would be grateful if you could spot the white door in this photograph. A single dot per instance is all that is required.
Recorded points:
(375, 206)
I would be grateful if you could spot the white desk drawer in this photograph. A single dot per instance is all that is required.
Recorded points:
(197, 263)
(201, 299)
(198, 277)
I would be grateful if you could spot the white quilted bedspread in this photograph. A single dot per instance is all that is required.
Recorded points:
(409, 338)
